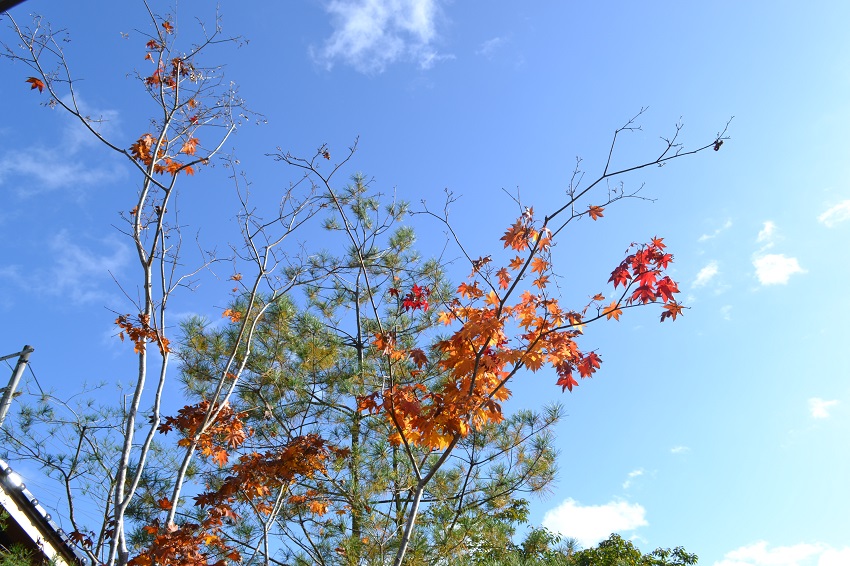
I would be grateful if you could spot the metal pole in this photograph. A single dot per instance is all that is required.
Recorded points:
(13, 383)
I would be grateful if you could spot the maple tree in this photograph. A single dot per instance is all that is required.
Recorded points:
(358, 420)
(113, 454)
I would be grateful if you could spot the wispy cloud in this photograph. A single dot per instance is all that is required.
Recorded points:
(776, 269)
(78, 274)
(706, 274)
(726, 312)
(487, 48)
(767, 234)
(758, 554)
(37, 170)
(369, 35)
(590, 524)
(680, 450)
(67, 165)
(773, 269)
(632, 475)
(836, 214)
(819, 408)
(717, 232)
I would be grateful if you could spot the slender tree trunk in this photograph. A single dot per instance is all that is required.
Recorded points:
(354, 470)
(399, 506)
(412, 513)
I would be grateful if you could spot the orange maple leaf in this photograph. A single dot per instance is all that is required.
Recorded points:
(384, 342)
(539, 265)
(172, 166)
(220, 457)
(673, 309)
(504, 278)
(36, 83)
(613, 311)
(595, 212)
(515, 237)
(469, 291)
(167, 27)
(190, 146)
(492, 299)
(235, 316)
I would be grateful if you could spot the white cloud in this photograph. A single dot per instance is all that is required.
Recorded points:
(77, 274)
(706, 274)
(773, 269)
(758, 554)
(680, 450)
(767, 234)
(488, 47)
(819, 408)
(726, 312)
(835, 557)
(706, 237)
(835, 215)
(590, 524)
(371, 34)
(632, 475)
(69, 164)
(776, 269)
(42, 169)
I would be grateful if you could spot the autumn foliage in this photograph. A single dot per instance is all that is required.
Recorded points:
(427, 366)
(256, 480)
(495, 336)
(213, 433)
(140, 332)
(146, 146)
(502, 320)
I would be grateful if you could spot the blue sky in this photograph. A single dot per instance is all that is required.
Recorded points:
(725, 432)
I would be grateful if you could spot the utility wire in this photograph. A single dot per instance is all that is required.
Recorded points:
(37, 384)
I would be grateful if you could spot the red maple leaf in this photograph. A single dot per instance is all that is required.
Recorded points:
(589, 364)
(665, 289)
(620, 275)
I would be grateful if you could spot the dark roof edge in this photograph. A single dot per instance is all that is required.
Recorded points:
(40, 517)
